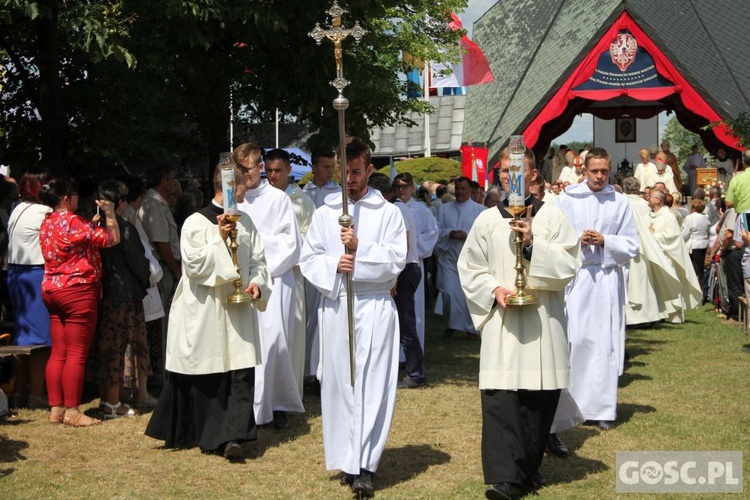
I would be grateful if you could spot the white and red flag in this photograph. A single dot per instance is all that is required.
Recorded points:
(472, 70)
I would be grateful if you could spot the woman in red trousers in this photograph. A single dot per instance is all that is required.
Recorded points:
(71, 291)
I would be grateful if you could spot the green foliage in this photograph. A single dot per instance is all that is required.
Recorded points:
(740, 127)
(141, 80)
(429, 169)
(681, 140)
(422, 169)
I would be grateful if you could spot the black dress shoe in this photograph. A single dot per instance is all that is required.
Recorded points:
(410, 383)
(448, 332)
(538, 480)
(348, 480)
(280, 420)
(362, 485)
(233, 451)
(506, 491)
(606, 425)
(556, 446)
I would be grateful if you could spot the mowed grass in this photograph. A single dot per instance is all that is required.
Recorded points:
(686, 388)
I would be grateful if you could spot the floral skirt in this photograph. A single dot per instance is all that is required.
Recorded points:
(120, 351)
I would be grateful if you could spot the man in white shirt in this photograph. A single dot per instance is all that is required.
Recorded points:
(322, 183)
(427, 234)
(406, 287)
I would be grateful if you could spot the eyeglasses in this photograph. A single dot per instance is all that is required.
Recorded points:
(245, 170)
(401, 186)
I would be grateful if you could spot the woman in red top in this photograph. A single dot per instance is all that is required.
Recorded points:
(70, 290)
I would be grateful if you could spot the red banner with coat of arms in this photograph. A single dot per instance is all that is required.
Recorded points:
(474, 163)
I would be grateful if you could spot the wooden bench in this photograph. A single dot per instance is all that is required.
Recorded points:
(8, 351)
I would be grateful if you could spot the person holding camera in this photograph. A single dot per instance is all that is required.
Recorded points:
(70, 290)
(119, 355)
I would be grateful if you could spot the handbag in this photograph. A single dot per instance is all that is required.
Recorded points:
(152, 306)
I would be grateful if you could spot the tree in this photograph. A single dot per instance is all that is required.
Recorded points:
(43, 44)
(88, 100)
(681, 140)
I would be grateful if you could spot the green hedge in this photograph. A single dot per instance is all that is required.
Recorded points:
(422, 169)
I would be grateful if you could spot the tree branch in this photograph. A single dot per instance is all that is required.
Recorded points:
(27, 85)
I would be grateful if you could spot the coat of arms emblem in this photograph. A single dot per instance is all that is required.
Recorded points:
(623, 50)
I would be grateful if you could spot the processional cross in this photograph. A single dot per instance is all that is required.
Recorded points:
(337, 33)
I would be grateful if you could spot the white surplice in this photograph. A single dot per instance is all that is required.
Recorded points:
(453, 216)
(356, 421)
(427, 236)
(666, 230)
(665, 177)
(569, 175)
(595, 299)
(523, 347)
(275, 382)
(206, 334)
(303, 210)
(643, 172)
(651, 279)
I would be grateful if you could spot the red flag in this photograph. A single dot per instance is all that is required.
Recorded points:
(474, 163)
(474, 68)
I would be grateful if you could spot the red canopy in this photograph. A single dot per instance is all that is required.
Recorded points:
(682, 91)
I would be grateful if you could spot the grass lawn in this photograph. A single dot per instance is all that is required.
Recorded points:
(686, 387)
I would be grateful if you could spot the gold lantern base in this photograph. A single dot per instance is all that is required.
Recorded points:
(520, 298)
(238, 296)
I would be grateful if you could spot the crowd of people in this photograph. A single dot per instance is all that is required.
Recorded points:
(126, 287)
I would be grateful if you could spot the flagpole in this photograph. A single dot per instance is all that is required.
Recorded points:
(277, 128)
(337, 34)
(474, 176)
(426, 95)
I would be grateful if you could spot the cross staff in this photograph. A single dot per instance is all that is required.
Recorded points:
(337, 34)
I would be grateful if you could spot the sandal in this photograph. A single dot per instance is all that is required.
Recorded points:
(56, 419)
(109, 411)
(76, 422)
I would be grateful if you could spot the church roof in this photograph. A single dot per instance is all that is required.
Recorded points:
(446, 130)
(534, 45)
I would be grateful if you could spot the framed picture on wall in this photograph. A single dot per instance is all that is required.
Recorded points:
(625, 129)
